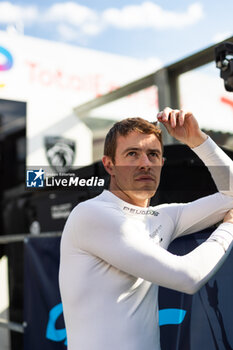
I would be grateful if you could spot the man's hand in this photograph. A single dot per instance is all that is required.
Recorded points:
(182, 126)
(229, 216)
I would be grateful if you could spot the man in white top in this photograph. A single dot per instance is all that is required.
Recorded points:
(114, 246)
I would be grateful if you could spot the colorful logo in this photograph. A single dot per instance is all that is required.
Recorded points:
(166, 317)
(8, 59)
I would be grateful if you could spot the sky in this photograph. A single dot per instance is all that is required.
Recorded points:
(160, 31)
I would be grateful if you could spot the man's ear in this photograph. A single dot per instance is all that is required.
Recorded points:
(108, 164)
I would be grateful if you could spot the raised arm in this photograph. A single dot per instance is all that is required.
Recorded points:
(111, 238)
(184, 127)
(207, 211)
(219, 165)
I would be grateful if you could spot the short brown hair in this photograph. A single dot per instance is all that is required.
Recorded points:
(126, 126)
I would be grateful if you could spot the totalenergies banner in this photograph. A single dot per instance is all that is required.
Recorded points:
(53, 78)
(56, 68)
(202, 321)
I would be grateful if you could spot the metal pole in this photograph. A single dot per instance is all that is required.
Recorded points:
(161, 80)
(12, 326)
(24, 237)
(174, 70)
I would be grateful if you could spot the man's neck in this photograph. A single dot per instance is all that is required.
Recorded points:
(130, 198)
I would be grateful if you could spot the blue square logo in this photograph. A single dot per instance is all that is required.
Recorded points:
(35, 178)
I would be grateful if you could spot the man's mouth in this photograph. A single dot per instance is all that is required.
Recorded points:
(146, 178)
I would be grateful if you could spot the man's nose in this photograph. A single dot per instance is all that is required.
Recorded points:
(144, 161)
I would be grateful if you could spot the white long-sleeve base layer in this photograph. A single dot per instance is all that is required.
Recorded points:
(114, 257)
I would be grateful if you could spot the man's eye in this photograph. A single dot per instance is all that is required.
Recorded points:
(131, 154)
(154, 154)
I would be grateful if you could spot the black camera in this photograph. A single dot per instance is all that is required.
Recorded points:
(224, 61)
